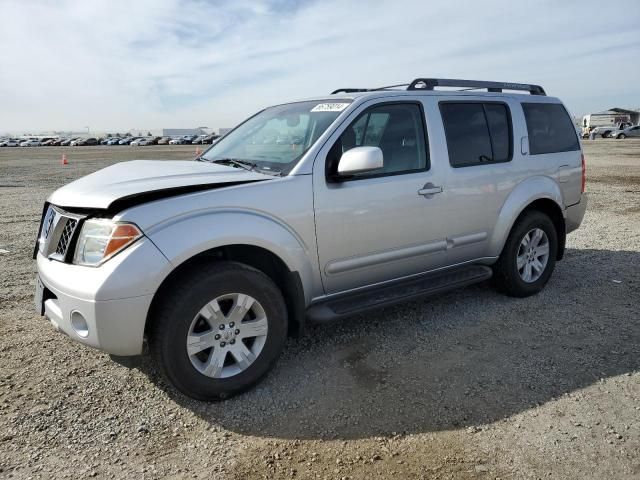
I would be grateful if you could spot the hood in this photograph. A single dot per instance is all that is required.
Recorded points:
(128, 183)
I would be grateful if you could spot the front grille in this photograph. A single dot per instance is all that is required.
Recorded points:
(66, 236)
(57, 233)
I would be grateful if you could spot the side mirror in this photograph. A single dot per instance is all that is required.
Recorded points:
(360, 160)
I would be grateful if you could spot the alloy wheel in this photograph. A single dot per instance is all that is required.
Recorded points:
(227, 335)
(533, 255)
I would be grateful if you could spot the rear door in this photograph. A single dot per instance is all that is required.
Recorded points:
(479, 174)
(554, 148)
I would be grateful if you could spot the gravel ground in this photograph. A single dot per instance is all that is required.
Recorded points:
(467, 385)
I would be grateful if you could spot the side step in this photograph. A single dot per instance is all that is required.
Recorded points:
(430, 284)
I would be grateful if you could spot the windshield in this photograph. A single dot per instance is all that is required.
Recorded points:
(276, 138)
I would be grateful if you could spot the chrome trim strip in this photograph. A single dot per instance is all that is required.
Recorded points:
(467, 239)
(344, 265)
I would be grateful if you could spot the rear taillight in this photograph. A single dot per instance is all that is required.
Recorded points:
(584, 175)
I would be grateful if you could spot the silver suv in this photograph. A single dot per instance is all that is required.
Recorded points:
(311, 211)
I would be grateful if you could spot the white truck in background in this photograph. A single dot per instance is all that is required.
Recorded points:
(604, 124)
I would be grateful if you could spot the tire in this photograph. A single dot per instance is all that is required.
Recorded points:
(622, 135)
(220, 287)
(507, 276)
(606, 135)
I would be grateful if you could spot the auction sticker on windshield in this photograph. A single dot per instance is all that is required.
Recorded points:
(329, 107)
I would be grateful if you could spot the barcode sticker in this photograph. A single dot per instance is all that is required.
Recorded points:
(330, 107)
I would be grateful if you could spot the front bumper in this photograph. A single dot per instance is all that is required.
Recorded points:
(575, 213)
(113, 299)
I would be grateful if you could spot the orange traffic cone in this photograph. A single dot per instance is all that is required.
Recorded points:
(198, 152)
(63, 161)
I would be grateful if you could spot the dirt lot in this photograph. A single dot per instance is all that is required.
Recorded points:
(467, 385)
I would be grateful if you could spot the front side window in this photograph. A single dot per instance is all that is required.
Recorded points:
(274, 140)
(477, 133)
(397, 129)
(550, 128)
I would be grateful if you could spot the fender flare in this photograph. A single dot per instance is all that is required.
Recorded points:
(214, 228)
(522, 196)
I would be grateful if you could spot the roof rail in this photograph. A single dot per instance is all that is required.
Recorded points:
(431, 83)
(349, 90)
(355, 90)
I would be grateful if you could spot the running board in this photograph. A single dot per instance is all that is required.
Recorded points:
(430, 284)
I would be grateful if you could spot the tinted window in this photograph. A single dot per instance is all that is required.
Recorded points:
(498, 120)
(550, 128)
(397, 129)
(477, 133)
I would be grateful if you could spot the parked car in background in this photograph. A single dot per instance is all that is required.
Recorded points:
(164, 141)
(67, 142)
(209, 139)
(148, 141)
(11, 142)
(199, 140)
(113, 141)
(184, 140)
(127, 140)
(32, 142)
(633, 131)
(610, 131)
(213, 263)
(86, 142)
(136, 142)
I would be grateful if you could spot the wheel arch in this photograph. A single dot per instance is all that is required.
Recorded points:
(289, 282)
(538, 193)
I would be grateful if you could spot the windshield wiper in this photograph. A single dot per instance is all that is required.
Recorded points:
(236, 162)
(246, 164)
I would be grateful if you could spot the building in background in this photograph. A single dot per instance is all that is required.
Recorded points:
(180, 132)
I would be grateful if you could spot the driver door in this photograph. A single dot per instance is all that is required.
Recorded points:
(379, 226)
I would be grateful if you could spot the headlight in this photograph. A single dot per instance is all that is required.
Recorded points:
(101, 239)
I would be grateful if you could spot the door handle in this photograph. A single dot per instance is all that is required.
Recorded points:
(429, 190)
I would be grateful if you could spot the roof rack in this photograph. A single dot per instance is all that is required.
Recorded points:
(349, 90)
(431, 83)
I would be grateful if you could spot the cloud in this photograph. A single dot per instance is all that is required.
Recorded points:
(147, 64)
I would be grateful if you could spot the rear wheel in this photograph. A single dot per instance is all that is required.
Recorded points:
(219, 331)
(529, 255)
(622, 135)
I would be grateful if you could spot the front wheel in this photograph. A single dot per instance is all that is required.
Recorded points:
(622, 135)
(219, 331)
(529, 256)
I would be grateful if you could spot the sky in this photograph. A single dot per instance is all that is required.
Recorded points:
(150, 64)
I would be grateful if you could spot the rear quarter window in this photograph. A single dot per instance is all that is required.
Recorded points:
(550, 128)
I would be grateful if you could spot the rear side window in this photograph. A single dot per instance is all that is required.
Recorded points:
(550, 128)
(477, 133)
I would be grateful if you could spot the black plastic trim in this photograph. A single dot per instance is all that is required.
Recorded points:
(432, 83)
(433, 283)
